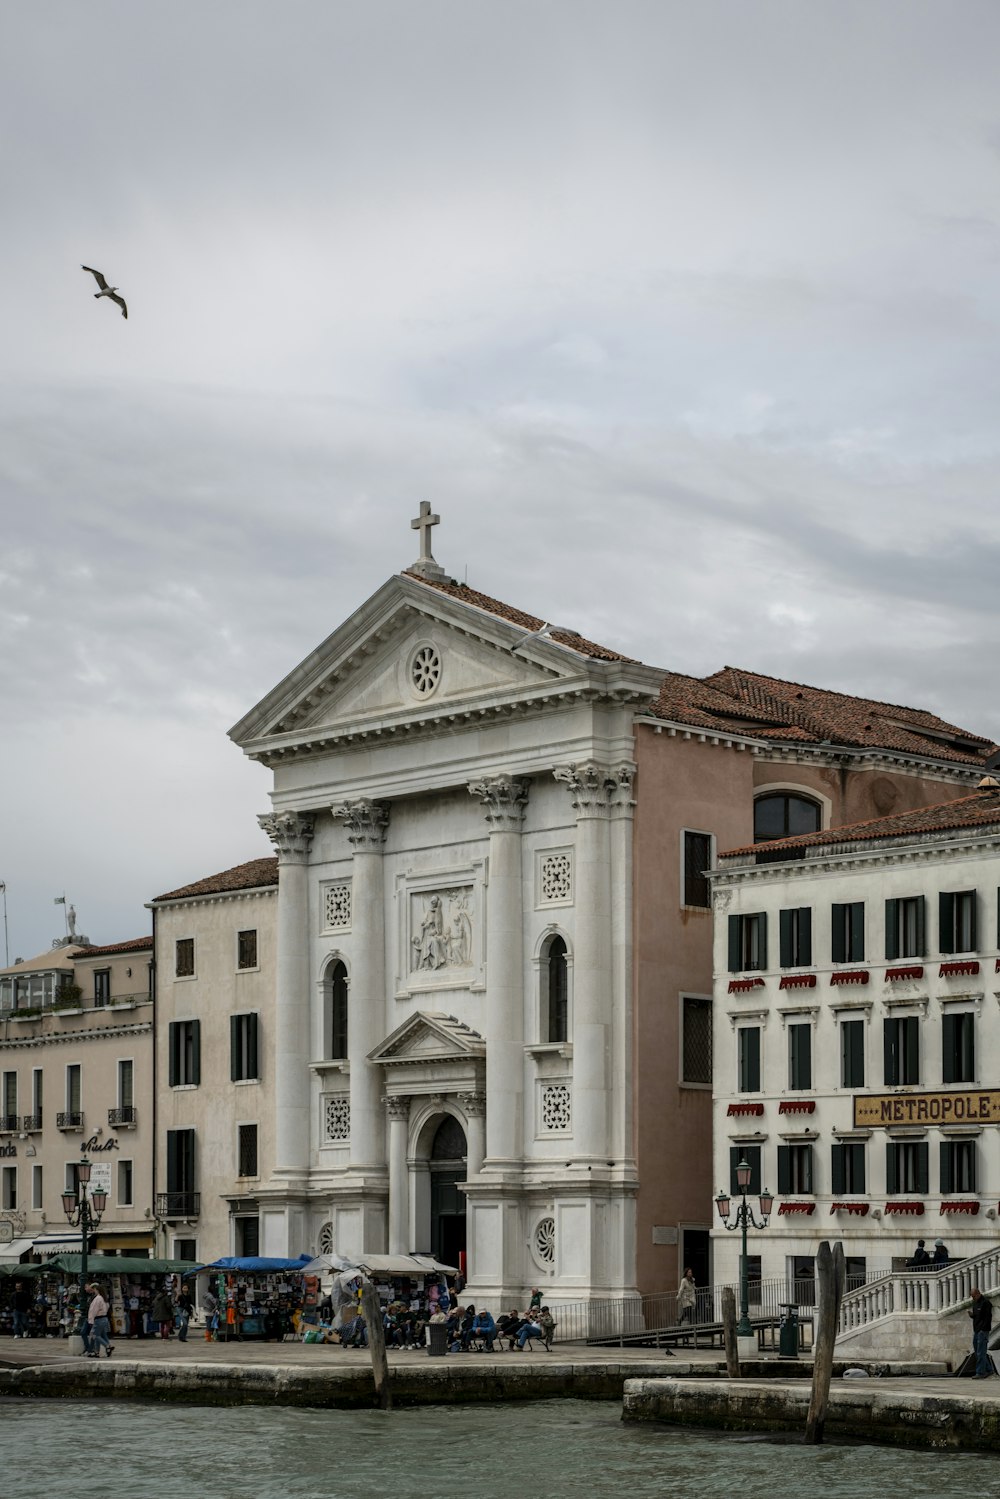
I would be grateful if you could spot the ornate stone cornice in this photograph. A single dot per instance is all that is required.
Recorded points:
(474, 1105)
(505, 799)
(397, 1105)
(366, 823)
(56, 1038)
(597, 790)
(290, 832)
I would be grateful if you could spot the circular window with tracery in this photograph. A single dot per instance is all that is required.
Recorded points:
(425, 670)
(324, 1240)
(545, 1241)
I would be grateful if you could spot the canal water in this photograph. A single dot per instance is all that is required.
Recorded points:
(549, 1449)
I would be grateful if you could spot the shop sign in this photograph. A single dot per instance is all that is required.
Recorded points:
(8, 1150)
(876, 1110)
(91, 1146)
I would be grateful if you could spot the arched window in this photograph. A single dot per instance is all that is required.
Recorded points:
(337, 980)
(558, 991)
(780, 814)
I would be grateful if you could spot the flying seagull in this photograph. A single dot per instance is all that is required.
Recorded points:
(544, 633)
(106, 290)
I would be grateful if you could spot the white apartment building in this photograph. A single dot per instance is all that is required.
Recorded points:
(857, 1037)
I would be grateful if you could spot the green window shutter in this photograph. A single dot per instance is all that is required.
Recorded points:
(734, 1159)
(234, 1048)
(946, 921)
(786, 928)
(891, 1155)
(838, 944)
(858, 931)
(253, 1024)
(974, 923)
(784, 1170)
(923, 1171)
(762, 939)
(196, 1051)
(949, 1030)
(891, 930)
(946, 1185)
(805, 937)
(174, 1055)
(837, 1170)
(753, 1161)
(890, 1056)
(911, 1036)
(807, 1183)
(734, 944)
(921, 927)
(171, 1160)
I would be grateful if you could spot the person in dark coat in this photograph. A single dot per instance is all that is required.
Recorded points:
(920, 1257)
(981, 1312)
(940, 1255)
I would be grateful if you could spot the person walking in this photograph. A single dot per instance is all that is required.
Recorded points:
(22, 1306)
(185, 1307)
(210, 1306)
(162, 1312)
(100, 1327)
(687, 1296)
(981, 1312)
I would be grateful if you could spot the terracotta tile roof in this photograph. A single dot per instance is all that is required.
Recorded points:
(250, 876)
(137, 944)
(467, 595)
(981, 809)
(769, 708)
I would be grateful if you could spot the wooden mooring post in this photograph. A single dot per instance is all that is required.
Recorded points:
(830, 1272)
(372, 1313)
(729, 1332)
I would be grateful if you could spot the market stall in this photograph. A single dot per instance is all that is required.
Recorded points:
(259, 1297)
(131, 1281)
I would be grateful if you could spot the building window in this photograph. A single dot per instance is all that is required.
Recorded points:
(902, 1051)
(74, 1088)
(958, 1048)
(748, 942)
(102, 986)
(958, 1166)
(795, 937)
(246, 950)
(243, 1050)
(37, 1200)
(906, 1166)
(184, 1038)
(957, 921)
(557, 991)
(246, 1148)
(186, 1249)
(780, 815)
(697, 859)
(748, 1058)
(72, 1177)
(184, 958)
(904, 928)
(750, 1154)
(8, 1189)
(37, 1092)
(181, 1180)
(800, 1056)
(852, 1053)
(124, 1184)
(8, 1103)
(696, 1047)
(248, 1237)
(795, 1169)
(337, 980)
(847, 1162)
(847, 932)
(126, 1084)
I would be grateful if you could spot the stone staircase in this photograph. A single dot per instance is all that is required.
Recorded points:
(916, 1314)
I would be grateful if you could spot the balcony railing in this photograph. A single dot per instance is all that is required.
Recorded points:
(71, 1119)
(8, 1124)
(178, 1204)
(31, 1124)
(124, 1118)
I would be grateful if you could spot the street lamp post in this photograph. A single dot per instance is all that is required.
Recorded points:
(744, 1218)
(84, 1212)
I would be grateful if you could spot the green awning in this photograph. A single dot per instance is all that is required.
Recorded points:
(111, 1264)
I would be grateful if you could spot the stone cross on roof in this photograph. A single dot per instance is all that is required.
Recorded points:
(425, 564)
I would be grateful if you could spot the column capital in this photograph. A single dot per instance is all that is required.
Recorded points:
(397, 1105)
(474, 1104)
(366, 823)
(290, 832)
(504, 798)
(598, 790)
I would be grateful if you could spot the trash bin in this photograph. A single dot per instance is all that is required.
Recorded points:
(438, 1334)
(788, 1337)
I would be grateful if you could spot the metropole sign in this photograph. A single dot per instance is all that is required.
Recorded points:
(883, 1110)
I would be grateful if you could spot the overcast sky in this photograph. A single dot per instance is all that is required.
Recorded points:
(683, 316)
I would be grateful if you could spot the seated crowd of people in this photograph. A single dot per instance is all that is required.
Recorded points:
(467, 1330)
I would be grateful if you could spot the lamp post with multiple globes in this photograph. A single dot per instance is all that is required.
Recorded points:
(84, 1211)
(743, 1219)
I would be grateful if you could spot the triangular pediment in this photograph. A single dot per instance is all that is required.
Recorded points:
(429, 1037)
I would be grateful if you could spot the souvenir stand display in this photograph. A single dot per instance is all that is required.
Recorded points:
(258, 1297)
(131, 1281)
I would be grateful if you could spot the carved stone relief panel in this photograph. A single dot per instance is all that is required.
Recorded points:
(441, 942)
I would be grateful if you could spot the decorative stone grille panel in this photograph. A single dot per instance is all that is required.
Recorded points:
(336, 1119)
(555, 879)
(425, 670)
(324, 1239)
(556, 1107)
(337, 906)
(544, 1241)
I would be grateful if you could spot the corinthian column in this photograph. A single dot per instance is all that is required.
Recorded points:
(595, 790)
(504, 800)
(291, 833)
(474, 1105)
(398, 1109)
(366, 823)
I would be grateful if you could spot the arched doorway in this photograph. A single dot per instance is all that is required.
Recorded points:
(448, 1170)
